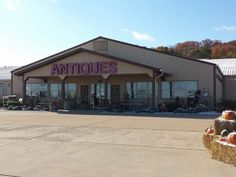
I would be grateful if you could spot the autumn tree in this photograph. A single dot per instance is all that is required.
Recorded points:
(205, 49)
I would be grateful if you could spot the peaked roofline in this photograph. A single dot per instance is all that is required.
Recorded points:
(55, 55)
(71, 49)
(24, 69)
(153, 50)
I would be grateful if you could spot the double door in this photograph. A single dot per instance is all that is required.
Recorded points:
(97, 95)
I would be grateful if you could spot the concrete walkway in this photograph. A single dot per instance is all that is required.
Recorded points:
(44, 144)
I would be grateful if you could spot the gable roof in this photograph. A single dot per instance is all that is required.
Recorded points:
(55, 58)
(151, 49)
(77, 48)
(227, 65)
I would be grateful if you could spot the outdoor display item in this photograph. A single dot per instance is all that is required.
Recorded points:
(228, 115)
(231, 138)
(221, 139)
(220, 124)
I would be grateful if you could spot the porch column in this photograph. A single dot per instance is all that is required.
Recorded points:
(63, 93)
(24, 88)
(106, 93)
(154, 90)
(63, 90)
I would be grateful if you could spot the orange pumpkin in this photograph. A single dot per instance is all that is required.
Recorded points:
(210, 130)
(228, 115)
(231, 138)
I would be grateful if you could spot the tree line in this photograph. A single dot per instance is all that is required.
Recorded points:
(213, 49)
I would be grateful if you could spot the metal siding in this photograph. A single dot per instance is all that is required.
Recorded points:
(123, 68)
(218, 90)
(230, 86)
(179, 68)
(219, 86)
(17, 87)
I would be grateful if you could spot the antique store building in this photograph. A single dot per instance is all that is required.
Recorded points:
(104, 72)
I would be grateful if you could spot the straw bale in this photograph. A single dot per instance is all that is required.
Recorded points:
(207, 139)
(223, 152)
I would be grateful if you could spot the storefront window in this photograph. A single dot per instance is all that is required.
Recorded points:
(55, 90)
(98, 94)
(70, 90)
(139, 89)
(39, 90)
(178, 89)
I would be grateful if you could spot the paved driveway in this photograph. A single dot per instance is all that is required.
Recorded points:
(44, 144)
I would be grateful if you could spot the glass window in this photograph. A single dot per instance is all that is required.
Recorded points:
(55, 90)
(184, 88)
(165, 89)
(70, 89)
(178, 88)
(98, 93)
(37, 90)
(139, 89)
(1, 84)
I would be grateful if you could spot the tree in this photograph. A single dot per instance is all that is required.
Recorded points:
(205, 49)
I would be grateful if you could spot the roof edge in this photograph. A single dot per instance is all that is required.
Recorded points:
(60, 57)
(54, 55)
(153, 50)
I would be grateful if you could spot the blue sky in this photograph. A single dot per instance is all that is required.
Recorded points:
(33, 29)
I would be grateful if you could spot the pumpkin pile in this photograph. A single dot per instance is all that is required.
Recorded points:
(220, 138)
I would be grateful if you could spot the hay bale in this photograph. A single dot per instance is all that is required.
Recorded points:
(221, 124)
(207, 140)
(223, 152)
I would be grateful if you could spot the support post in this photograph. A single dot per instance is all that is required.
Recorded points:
(24, 88)
(106, 93)
(63, 93)
(154, 90)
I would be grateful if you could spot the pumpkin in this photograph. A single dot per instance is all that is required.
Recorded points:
(210, 130)
(222, 139)
(231, 138)
(228, 115)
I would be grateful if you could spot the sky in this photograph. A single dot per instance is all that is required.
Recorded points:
(34, 29)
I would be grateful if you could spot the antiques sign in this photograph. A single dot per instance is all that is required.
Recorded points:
(101, 67)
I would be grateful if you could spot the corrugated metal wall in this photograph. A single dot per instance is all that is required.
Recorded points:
(179, 68)
(230, 87)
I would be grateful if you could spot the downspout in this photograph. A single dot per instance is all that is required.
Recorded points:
(157, 78)
(214, 87)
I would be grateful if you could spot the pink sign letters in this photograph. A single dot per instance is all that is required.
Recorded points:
(101, 67)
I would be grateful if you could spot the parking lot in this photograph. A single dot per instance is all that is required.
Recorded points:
(46, 144)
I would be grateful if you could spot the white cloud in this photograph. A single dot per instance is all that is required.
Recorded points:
(142, 36)
(14, 6)
(231, 28)
(137, 35)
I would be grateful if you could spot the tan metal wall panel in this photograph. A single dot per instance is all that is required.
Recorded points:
(17, 87)
(230, 86)
(123, 68)
(218, 90)
(219, 86)
(179, 68)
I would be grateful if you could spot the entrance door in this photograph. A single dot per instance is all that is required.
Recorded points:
(84, 96)
(115, 95)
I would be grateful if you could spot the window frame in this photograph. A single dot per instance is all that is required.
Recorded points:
(172, 89)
